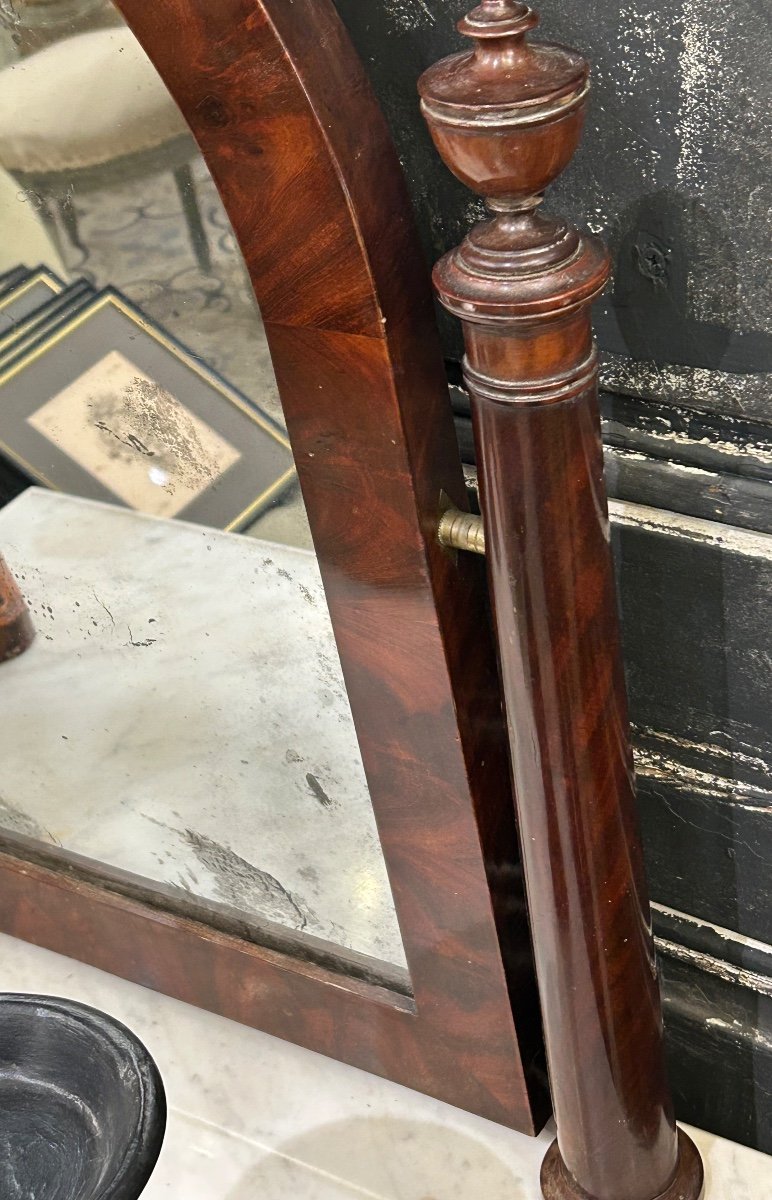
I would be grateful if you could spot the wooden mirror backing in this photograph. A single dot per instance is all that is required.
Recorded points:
(294, 139)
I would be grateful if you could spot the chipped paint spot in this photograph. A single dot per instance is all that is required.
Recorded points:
(727, 754)
(659, 766)
(703, 387)
(724, 970)
(675, 468)
(701, 86)
(693, 529)
(726, 935)
(759, 452)
(410, 14)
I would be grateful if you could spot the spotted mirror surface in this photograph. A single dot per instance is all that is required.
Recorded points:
(181, 722)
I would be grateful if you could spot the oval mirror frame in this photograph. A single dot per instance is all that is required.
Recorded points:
(303, 159)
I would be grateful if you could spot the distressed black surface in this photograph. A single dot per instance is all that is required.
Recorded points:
(692, 491)
(725, 443)
(697, 650)
(718, 1018)
(697, 644)
(674, 172)
(82, 1107)
(678, 433)
(714, 950)
(697, 653)
(708, 857)
(719, 1052)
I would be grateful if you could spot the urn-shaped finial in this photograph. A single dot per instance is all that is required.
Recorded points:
(507, 115)
(498, 18)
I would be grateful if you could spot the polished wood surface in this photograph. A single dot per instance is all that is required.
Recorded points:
(507, 118)
(16, 628)
(294, 139)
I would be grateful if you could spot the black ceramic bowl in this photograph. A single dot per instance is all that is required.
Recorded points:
(82, 1106)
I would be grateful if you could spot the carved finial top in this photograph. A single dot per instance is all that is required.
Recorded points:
(505, 76)
(506, 115)
(498, 18)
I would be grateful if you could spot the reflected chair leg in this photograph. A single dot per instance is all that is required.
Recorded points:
(183, 177)
(35, 191)
(16, 628)
(69, 218)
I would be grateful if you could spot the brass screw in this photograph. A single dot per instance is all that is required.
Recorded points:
(462, 531)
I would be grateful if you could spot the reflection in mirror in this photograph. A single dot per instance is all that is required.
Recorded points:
(180, 725)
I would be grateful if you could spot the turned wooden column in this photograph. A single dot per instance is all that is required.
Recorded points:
(16, 628)
(506, 118)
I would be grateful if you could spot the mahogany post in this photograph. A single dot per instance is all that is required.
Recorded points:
(507, 118)
(16, 628)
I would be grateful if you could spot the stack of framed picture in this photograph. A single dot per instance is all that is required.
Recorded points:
(98, 401)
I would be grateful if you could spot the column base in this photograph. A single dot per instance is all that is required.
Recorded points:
(558, 1184)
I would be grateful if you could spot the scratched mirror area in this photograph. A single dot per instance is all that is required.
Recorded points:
(180, 720)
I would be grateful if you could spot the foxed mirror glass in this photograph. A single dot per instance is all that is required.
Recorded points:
(181, 721)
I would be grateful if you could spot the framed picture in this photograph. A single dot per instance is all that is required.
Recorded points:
(10, 279)
(106, 405)
(25, 294)
(31, 329)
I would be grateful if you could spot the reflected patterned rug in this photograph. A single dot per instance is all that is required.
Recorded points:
(136, 240)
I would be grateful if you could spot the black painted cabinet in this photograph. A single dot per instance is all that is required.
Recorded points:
(675, 172)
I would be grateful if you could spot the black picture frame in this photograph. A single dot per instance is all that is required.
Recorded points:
(107, 324)
(26, 292)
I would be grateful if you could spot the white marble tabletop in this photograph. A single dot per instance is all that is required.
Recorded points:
(254, 1118)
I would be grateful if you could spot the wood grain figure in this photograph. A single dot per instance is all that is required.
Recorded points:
(506, 118)
(295, 141)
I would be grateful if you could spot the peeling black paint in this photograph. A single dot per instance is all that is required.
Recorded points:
(673, 171)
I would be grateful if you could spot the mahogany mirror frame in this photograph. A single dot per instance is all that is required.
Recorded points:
(295, 141)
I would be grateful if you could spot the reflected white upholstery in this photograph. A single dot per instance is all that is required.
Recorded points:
(83, 101)
(25, 237)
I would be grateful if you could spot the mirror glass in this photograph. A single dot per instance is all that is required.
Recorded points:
(180, 724)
